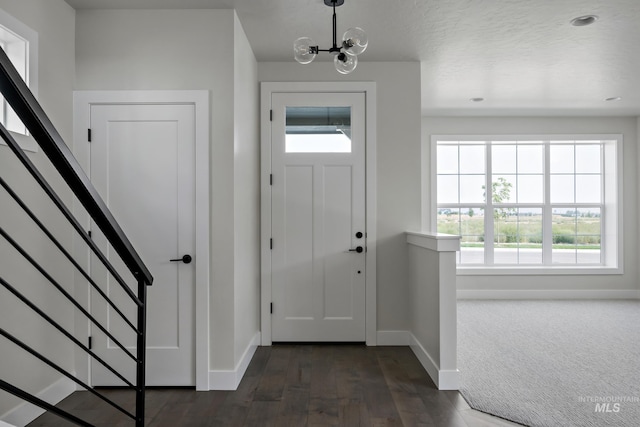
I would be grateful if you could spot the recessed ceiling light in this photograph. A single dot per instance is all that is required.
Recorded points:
(613, 98)
(476, 99)
(581, 21)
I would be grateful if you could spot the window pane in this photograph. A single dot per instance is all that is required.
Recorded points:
(447, 189)
(505, 229)
(473, 254)
(530, 236)
(562, 189)
(472, 222)
(337, 143)
(503, 189)
(588, 222)
(563, 255)
(447, 159)
(505, 237)
(588, 158)
(588, 189)
(504, 255)
(562, 158)
(530, 159)
(503, 159)
(318, 130)
(563, 230)
(448, 221)
(472, 159)
(471, 188)
(588, 255)
(588, 226)
(472, 236)
(518, 236)
(530, 189)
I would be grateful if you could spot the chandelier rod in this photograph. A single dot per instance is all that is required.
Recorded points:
(334, 48)
(335, 26)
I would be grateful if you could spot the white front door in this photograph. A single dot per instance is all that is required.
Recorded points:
(318, 217)
(142, 164)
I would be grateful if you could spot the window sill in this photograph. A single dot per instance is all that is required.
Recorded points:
(539, 271)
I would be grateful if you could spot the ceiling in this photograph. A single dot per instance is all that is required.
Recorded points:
(522, 56)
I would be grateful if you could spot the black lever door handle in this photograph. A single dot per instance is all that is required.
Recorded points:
(186, 259)
(357, 249)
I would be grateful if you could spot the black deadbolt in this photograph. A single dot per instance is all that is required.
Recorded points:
(359, 235)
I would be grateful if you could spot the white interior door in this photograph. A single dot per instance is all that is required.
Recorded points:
(318, 217)
(142, 164)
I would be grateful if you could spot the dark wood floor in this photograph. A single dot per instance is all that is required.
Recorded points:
(300, 385)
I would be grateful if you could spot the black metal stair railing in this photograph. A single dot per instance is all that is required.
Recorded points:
(18, 95)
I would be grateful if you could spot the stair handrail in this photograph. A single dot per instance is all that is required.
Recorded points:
(19, 96)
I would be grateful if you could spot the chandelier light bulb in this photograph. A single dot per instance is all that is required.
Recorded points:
(302, 51)
(355, 41)
(345, 63)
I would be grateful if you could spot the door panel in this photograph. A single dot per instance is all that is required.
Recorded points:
(337, 230)
(298, 242)
(318, 203)
(142, 159)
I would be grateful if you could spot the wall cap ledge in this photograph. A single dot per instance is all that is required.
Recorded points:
(438, 242)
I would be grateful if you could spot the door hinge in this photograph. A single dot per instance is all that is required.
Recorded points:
(271, 243)
(270, 115)
(89, 233)
(90, 343)
(271, 179)
(271, 307)
(89, 135)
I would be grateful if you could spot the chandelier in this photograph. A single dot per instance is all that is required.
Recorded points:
(354, 42)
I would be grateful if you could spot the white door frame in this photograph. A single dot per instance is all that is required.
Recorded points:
(369, 89)
(82, 101)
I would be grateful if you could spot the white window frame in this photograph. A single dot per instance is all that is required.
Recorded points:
(612, 214)
(15, 26)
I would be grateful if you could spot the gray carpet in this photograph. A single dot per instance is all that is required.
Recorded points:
(552, 363)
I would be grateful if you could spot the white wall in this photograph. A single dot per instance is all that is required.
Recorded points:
(54, 21)
(425, 299)
(398, 169)
(247, 192)
(195, 49)
(433, 326)
(627, 126)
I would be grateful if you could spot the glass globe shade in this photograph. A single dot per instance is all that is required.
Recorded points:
(345, 63)
(302, 50)
(355, 41)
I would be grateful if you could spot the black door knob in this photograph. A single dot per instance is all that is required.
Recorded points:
(358, 249)
(186, 259)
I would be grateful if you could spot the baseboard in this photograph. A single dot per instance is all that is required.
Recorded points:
(393, 338)
(230, 380)
(443, 379)
(546, 294)
(24, 413)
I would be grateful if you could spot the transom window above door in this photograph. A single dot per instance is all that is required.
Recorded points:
(318, 130)
(529, 202)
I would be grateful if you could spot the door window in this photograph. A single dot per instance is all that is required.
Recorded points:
(318, 130)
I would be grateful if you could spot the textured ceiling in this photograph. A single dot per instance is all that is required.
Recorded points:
(522, 56)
